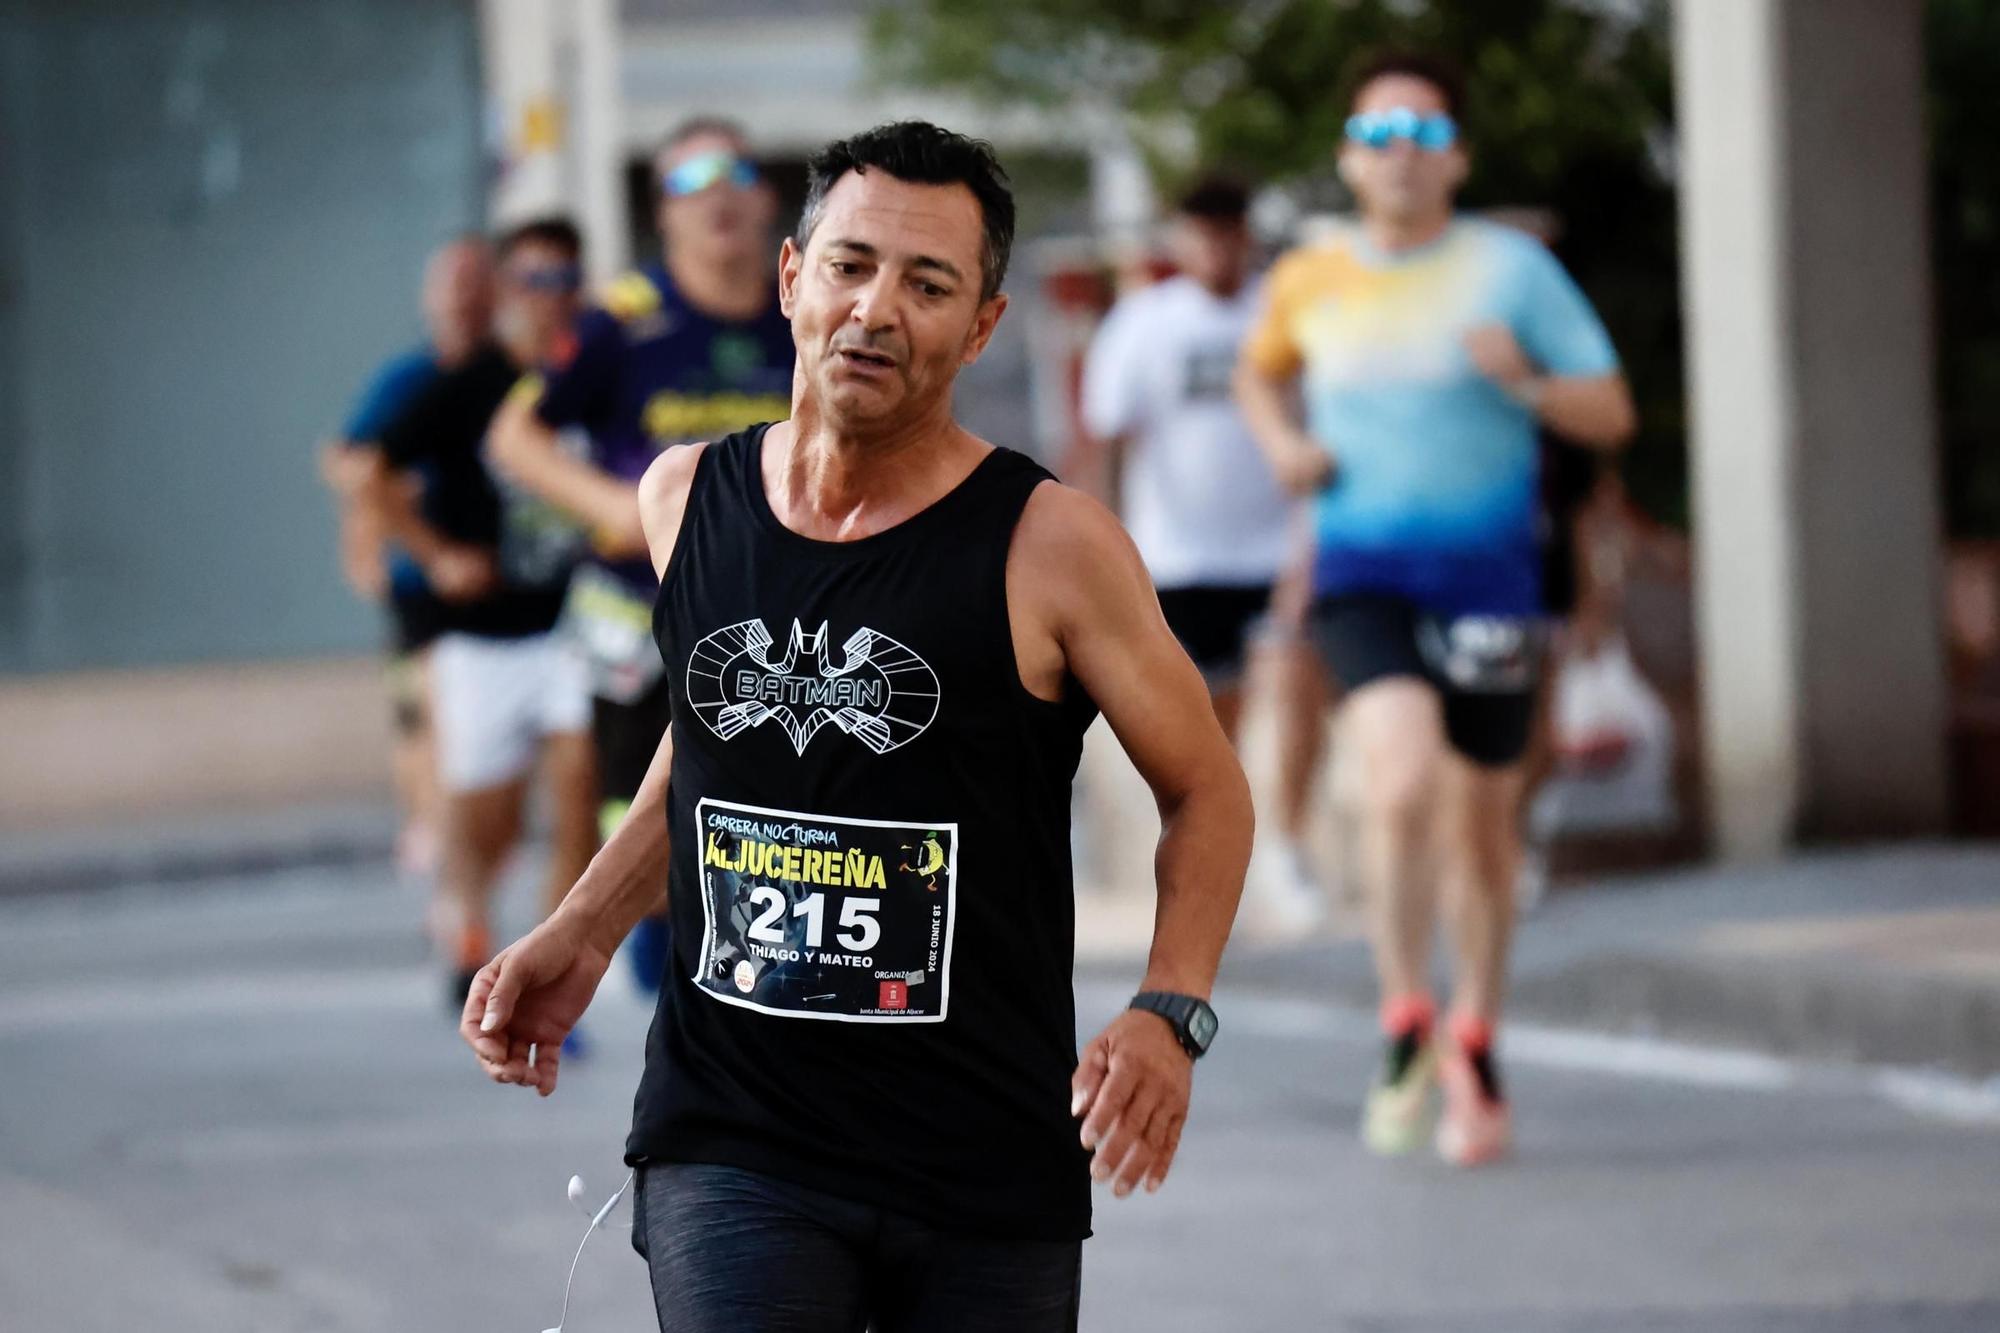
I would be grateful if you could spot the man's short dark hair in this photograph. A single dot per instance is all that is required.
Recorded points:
(555, 231)
(720, 126)
(923, 154)
(1441, 72)
(1215, 199)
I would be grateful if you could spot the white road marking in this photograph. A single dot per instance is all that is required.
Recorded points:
(1933, 1094)
(140, 1005)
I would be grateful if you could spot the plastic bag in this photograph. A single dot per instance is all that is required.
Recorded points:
(1614, 745)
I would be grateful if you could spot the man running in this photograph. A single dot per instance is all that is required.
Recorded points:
(458, 308)
(686, 349)
(1430, 347)
(884, 639)
(1211, 522)
(506, 690)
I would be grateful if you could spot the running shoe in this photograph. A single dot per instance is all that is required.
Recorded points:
(1476, 1127)
(1399, 1112)
(473, 947)
(1282, 893)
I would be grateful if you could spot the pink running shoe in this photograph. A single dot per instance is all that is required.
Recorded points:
(1476, 1126)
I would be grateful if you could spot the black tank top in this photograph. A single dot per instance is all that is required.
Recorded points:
(872, 909)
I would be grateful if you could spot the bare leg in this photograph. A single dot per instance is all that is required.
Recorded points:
(570, 761)
(414, 763)
(481, 829)
(1481, 856)
(1481, 853)
(1302, 699)
(1398, 728)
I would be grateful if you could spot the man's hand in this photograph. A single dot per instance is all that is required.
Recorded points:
(1131, 1089)
(461, 573)
(346, 469)
(361, 558)
(1302, 466)
(528, 999)
(527, 452)
(1498, 356)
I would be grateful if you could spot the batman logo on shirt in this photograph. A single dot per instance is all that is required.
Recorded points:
(879, 691)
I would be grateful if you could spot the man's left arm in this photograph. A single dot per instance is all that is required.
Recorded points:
(527, 451)
(1086, 592)
(1557, 359)
(524, 445)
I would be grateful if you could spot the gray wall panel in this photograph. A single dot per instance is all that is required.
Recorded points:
(220, 213)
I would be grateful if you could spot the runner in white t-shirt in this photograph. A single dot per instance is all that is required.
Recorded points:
(1214, 526)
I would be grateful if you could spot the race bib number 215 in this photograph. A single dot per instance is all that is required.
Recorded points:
(812, 916)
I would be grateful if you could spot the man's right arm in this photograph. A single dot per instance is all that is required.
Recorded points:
(1266, 371)
(455, 570)
(1109, 406)
(348, 464)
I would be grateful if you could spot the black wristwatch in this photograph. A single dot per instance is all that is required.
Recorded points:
(1193, 1021)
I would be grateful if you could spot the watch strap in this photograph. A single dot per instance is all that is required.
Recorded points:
(1180, 1011)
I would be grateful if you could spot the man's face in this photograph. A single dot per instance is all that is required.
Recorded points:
(729, 216)
(1401, 182)
(458, 293)
(885, 298)
(539, 285)
(1215, 252)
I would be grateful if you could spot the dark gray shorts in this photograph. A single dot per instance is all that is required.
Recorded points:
(732, 1250)
(1489, 707)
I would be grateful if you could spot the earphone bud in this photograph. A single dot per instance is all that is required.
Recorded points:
(576, 1188)
(575, 1192)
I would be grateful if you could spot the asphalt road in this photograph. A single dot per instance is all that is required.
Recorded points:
(239, 1106)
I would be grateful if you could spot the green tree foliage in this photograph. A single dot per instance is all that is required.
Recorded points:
(1569, 110)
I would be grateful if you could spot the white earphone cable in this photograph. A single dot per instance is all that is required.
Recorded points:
(595, 1222)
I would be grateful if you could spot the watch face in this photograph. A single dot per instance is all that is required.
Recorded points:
(1201, 1026)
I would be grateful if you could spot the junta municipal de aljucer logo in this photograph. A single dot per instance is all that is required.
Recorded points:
(878, 691)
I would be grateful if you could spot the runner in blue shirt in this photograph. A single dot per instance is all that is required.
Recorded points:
(458, 307)
(1430, 350)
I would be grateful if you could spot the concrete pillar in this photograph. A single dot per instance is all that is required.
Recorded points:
(1808, 338)
(552, 81)
(1122, 207)
(598, 158)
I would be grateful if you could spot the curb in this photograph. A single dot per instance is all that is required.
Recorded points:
(1824, 1009)
(39, 864)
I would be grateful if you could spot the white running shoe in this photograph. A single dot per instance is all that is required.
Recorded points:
(1284, 893)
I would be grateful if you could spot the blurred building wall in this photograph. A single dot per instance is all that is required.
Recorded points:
(213, 221)
(1818, 535)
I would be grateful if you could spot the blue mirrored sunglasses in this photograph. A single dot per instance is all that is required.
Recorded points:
(1378, 129)
(699, 172)
(556, 278)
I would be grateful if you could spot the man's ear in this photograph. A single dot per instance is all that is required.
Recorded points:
(983, 325)
(789, 257)
(1462, 166)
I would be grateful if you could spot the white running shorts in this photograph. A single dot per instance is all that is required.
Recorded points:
(494, 700)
